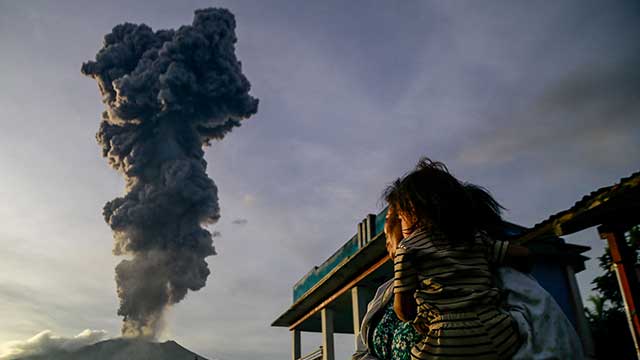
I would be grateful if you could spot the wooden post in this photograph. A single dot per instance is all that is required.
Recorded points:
(627, 279)
(328, 352)
(360, 297)
(296, 344)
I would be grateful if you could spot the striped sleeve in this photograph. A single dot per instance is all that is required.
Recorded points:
(497, 250)
(405, 277)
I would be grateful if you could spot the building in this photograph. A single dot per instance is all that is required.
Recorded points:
(332, 297)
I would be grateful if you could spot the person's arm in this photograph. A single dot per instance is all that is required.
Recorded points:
(518, 257)
(404, 304)
(504, 253)
(404, 285)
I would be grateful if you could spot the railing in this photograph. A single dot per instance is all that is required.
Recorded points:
(316, 355)
(367, 229)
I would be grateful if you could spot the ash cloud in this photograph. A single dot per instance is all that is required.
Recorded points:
(47, 342)
(167, 94)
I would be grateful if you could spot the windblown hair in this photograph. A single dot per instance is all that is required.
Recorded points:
(487, 211)
(434, 199)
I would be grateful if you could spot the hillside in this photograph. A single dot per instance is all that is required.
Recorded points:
(123, 349)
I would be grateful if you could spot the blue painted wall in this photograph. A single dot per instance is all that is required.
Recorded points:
(552, 276)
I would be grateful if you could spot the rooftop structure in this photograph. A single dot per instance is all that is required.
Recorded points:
(332, 297)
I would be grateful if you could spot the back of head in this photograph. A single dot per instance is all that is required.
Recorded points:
(433, 198)
(487, 212)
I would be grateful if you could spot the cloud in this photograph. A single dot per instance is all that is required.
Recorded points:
(249, 199)
(46, 342)
(240, 222)
(586, 114)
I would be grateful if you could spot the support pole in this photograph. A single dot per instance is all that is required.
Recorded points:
(296, 344)
(582, 325)
(360, 297)
(328, 352)
(627, 280)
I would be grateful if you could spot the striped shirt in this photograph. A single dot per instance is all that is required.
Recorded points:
(457, 300)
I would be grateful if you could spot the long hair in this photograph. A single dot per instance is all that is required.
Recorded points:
(432, 198)
(487, 211)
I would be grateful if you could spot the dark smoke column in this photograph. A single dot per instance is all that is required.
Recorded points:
(167, 93)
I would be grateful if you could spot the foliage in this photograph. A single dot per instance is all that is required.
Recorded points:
(607, 317)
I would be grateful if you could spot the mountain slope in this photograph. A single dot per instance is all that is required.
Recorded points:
(123, 349)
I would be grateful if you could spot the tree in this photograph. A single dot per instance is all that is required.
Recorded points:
(607, 318)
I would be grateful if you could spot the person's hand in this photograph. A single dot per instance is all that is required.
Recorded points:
(392, 232)
(420, 327)
(519, 257)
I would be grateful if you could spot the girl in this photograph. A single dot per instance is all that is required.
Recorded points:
(443, 262)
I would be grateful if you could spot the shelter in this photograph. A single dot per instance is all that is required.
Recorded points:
(333, 296)
(614, 210)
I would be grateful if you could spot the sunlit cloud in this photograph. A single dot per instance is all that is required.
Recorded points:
(47, 342)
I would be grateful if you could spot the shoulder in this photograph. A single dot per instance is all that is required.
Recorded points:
(418, 238)
(424, 240)
(383, 289)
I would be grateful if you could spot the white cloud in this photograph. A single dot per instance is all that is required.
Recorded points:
(248, 199)
(45, 342)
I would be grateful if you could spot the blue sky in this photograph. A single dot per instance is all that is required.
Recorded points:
(538, 102)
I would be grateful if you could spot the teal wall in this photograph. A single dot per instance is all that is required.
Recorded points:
(318, 272)
(346, 251)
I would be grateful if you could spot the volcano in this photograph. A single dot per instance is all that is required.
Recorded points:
(123, 349)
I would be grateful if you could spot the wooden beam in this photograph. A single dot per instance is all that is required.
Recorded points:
(344, 289)
(627, 280)
(623, 212)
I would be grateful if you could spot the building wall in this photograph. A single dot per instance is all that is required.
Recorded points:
(553, 277)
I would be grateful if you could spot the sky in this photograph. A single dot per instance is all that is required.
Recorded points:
(536, 101)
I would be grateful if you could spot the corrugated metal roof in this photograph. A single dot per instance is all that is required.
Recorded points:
(588, 202)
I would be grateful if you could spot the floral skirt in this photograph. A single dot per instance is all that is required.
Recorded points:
(392, 338)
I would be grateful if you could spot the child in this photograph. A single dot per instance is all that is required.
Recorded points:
(443, 281)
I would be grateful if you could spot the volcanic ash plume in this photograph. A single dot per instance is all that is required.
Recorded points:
(167, 93)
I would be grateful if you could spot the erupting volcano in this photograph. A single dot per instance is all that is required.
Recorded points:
(167, 94)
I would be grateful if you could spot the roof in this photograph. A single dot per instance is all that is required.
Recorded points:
(334, 280)
(618, 203)
(317, 273)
